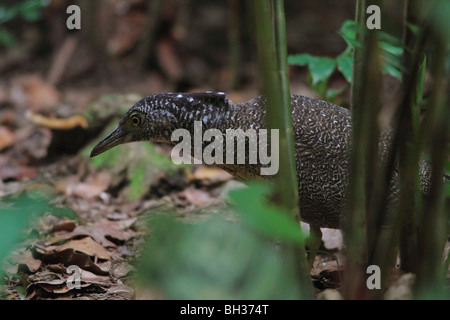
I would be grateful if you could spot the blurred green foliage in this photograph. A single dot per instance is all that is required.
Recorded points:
(29, 10)
(258, 214)
(17, 211)
(321, 68)
(219, 259)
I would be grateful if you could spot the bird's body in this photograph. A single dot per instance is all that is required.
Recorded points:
(322, 138)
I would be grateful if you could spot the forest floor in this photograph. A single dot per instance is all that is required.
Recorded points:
(103, 226)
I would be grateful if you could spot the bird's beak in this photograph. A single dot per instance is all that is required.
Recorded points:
(116, 137)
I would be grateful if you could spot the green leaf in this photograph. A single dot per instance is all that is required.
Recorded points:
(348, 33)
(345, 65)
(17, 211)
(269, 220)
(320, 87)
(300, 59)
(7, 14)
(393, 49)
(216, 259)
(414, 28)
(321, 68)
(6, 38)
(31, 10)
(331, 94)
(392, 71)
(447, 189)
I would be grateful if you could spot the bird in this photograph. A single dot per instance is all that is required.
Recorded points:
(322, 141)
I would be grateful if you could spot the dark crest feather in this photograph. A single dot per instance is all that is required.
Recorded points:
(218, 99)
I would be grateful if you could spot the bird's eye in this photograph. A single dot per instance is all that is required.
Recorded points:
(135, 119)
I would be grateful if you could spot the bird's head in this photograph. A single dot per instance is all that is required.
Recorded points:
(155, 117)
(149, 119)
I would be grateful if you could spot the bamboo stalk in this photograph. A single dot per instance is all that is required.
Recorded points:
(408, 152)
(272, 59)
(365, 106)
(276, 88)
(433, 233)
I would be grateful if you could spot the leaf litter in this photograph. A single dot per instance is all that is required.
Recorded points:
(108, 198)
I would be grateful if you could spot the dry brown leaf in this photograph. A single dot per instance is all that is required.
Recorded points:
(122, 224)
(17, 172)
(88, 246)
(57, 268)
(121, 269)
(100, 233)
(65, 225)
(58, 286)
(32, 264)
(196, 197)
(93, 186)
(210, 173)
(32, 92)
(57, 123)
(7, 137)
(87, 276)
(21, 258)
(32, 142)
(69, 257)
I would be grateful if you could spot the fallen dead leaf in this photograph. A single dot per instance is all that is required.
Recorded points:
(210, 173)
(70, 257)
(121, 269)
(196, 197)
(17, 172)
(87, 276)
(58, 286)
(57, 268)
(21, 258)
(88, 246)
(102, 233)
(33, 141)
(65, 225)
(7, 137)
(31, 91)
(28, 260)
(93, 186)
(57, 123)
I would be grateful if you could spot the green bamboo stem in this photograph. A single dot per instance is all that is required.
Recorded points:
(408, 152)
(433, 233)
(362, 110)
(272, 59)
(273, 64)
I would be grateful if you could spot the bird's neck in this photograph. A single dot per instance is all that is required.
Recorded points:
(204, 110)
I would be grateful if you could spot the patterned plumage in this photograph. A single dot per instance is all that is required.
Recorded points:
(322, 137)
